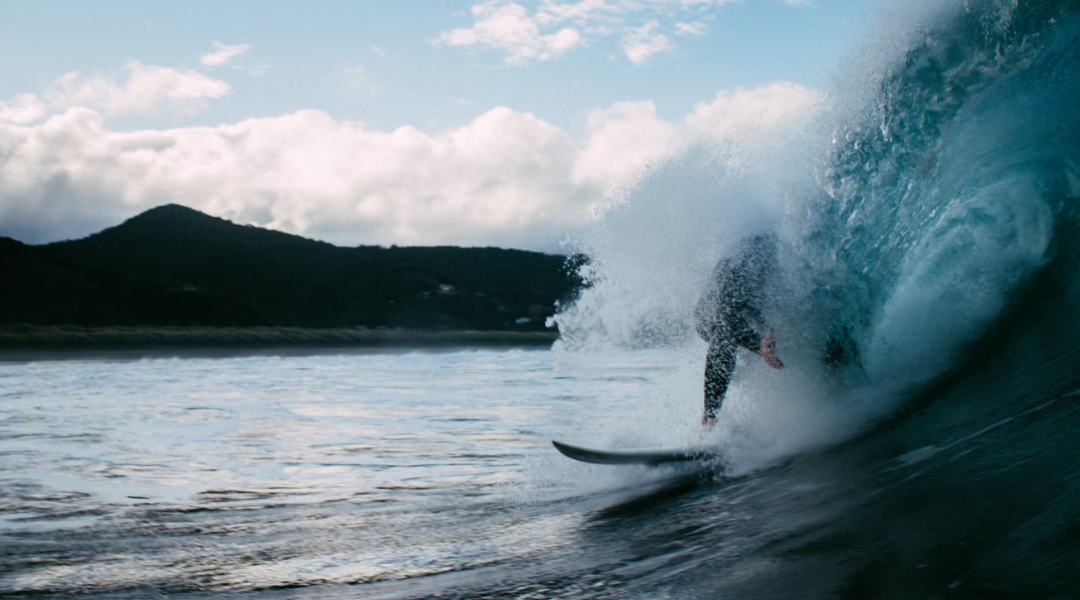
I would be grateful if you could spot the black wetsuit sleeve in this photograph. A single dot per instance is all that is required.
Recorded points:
(708, 312)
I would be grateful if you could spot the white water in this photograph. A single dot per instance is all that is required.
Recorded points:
(912, 206)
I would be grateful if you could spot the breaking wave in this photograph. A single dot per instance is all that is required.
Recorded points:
(925, 211)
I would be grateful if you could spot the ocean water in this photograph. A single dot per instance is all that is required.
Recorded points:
(430, 474)
(928, 223)
(398, 474)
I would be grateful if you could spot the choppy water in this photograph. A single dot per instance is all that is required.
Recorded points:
(253, 473)
(424, 474)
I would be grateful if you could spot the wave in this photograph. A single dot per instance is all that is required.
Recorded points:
(945, 194)
(932, 201)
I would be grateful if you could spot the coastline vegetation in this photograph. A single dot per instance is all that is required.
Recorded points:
(173, 276)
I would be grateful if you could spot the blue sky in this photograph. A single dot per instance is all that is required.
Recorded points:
(363, 81)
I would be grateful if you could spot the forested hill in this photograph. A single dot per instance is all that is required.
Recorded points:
(176, 266)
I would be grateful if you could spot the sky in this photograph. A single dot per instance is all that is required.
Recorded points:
(410, 122)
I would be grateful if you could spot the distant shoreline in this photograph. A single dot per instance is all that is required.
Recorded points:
(24, 343)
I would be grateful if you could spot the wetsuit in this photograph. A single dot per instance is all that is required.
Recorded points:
(729, 314)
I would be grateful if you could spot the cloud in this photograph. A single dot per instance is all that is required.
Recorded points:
(762, 111)
(628, 139)
(642, 42)
(139, 90)
(222, 54)
(147, 89)
(746, 123)
(693, 29)
(555, 27)
(624, 141)
(504, 179)
(507, 178)
(508, 27)
(24, 108)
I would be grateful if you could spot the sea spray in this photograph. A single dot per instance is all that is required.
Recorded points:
(912, 210)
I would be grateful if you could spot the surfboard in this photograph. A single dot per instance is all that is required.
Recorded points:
(647, 457)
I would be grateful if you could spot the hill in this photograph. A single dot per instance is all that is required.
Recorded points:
(176, 266)
(45, 288)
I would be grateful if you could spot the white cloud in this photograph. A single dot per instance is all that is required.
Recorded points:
(556, 26)
(640, 43)
(222, 54)
(763, 111)
(147, 89)
(693, 29)
(503, 179)
(628, 138)
(24, 108)
(624, 141)
(508, 27)
(596, 16)
(507, 178)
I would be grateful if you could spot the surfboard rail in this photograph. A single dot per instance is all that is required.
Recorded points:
(647, 457)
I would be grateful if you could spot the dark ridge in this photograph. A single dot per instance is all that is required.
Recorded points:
(172, 265)
(46, 288)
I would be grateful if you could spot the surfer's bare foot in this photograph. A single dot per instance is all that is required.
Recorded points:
(768, 353)
(708, 423)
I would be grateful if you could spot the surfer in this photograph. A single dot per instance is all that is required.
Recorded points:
(729, 317)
